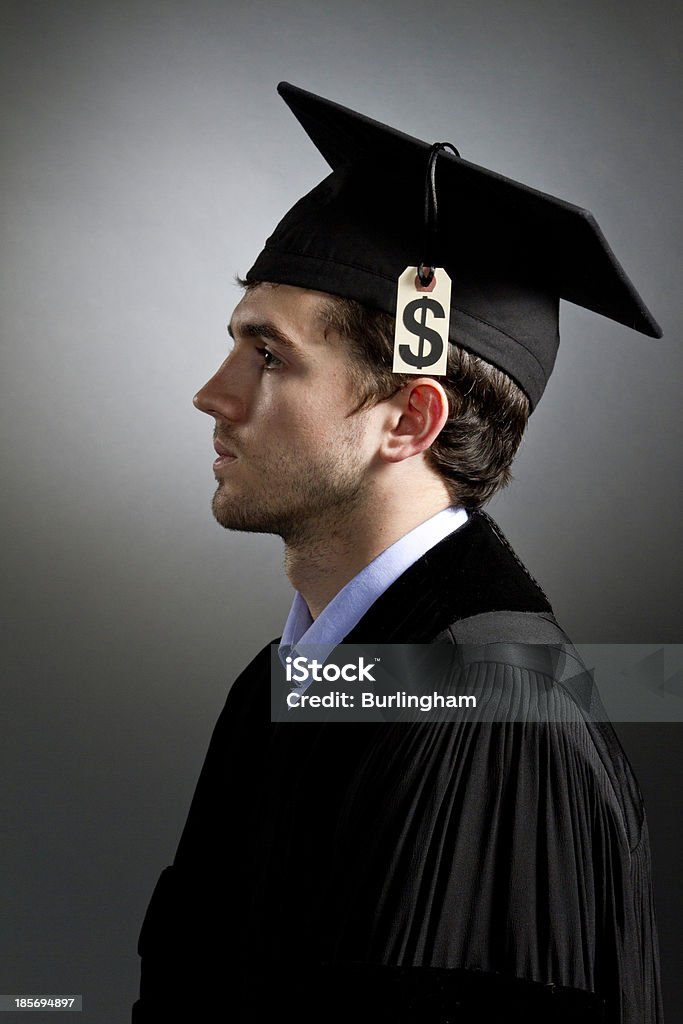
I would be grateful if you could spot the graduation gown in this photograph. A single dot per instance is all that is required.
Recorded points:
(412, 871)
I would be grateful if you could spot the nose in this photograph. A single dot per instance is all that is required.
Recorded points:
(221, 397)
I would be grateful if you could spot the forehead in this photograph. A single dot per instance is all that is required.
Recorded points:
(297, 313)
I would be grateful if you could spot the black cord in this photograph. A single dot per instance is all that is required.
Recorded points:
(425, 269)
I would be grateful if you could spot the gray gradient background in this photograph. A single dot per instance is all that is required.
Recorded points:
(145, 158)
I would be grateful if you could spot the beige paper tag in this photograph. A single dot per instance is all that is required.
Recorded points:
(422, 320)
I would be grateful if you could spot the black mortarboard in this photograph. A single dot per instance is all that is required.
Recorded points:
(512, 252)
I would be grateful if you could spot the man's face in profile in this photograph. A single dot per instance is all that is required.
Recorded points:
(290, 446)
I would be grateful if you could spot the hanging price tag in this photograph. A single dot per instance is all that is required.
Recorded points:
(422, 321)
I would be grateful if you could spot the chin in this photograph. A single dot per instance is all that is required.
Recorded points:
(233, 515)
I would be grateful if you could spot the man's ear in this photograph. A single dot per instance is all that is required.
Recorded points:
(421, 410)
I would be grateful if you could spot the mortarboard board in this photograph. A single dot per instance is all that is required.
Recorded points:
(511, 251)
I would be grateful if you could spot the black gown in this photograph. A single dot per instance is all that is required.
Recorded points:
(412, 871)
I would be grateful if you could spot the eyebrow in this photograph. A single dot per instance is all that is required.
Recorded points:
(263, 329)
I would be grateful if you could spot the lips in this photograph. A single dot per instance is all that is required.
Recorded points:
(225, 456)
(220, 449)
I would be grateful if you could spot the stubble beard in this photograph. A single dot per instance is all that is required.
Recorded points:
(299, 503)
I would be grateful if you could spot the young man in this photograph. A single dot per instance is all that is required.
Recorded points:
(399, 870)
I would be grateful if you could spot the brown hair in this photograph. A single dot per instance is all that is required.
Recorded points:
(488, 412)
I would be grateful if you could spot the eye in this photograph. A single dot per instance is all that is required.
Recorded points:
(270, 361)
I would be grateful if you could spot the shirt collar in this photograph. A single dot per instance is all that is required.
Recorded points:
(348, 607)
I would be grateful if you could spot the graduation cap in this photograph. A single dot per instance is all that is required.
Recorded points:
(393, 202)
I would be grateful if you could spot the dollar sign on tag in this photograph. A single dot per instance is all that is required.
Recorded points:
(422, 324)
(423, 333)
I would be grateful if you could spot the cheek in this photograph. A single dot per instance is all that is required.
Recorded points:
(308, 421)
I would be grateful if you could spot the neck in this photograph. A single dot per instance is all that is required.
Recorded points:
(331, 553)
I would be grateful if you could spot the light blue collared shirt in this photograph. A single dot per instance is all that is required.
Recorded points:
(348, 607)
